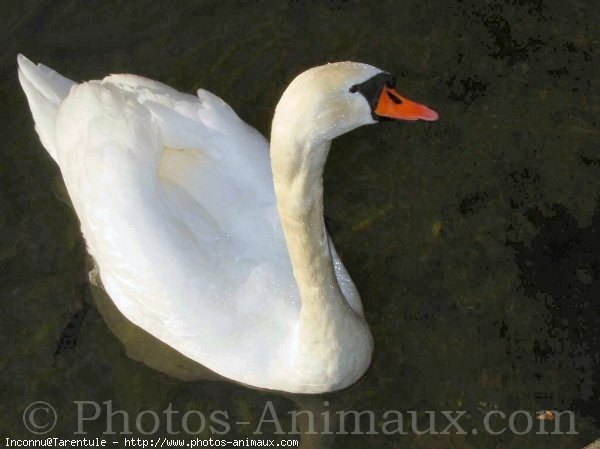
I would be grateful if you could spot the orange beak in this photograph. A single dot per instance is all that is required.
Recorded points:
(393, 105)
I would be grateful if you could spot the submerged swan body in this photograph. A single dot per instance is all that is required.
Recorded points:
(200, 237)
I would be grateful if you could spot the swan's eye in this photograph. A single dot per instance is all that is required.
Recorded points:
(353, 89)
(391, 82)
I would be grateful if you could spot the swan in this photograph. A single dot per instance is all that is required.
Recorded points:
(206, 236)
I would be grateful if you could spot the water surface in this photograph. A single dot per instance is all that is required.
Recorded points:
(472, 240)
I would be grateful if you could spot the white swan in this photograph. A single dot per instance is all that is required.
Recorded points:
(196, 241)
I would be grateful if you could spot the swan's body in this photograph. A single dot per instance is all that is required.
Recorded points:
(182, 216)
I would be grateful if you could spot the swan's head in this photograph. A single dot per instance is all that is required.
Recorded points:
(327, 101)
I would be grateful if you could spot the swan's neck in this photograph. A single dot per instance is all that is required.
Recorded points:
(298, 177)
(333, 344)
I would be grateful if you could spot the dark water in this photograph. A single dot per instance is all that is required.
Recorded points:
(474, 241)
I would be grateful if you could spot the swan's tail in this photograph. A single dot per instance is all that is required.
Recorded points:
(45, 90)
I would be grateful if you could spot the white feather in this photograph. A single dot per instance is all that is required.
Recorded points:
(176, 201)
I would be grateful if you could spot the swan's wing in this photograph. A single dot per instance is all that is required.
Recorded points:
(164, 259)
(206, 123)
(210, 155)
